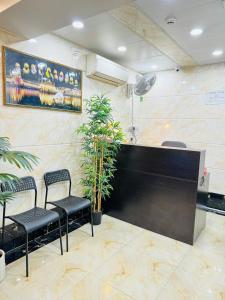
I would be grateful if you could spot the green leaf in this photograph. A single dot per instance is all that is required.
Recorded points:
(19, 159)
(5, 197)
(100, 134)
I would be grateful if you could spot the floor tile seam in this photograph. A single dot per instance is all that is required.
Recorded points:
(118, 289)
(142, 252)
(166, 285)
(107, 230)
(72, 280)
(108, 259)
(100, 280)
(105, 260)
(111, 283)
(176, 267)
(171, 274)
(80, 242)
(115, 286)
(102, 263)
(134, 238)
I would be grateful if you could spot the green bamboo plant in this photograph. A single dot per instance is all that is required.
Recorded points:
(19, 159)
(101, 139)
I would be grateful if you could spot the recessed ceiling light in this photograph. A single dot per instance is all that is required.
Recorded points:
(78, 24)
(33, 41)
(217, 52)
(154, 67)
(122, 48)
(196, 32)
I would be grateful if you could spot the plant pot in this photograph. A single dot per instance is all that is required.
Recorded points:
(2, 265)
(97, 217)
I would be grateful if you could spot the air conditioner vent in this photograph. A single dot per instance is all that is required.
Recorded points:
(102, 69)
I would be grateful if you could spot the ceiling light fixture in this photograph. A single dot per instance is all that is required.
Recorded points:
(78, 24)
(122, 48)
(217, 52)
(196, 32)
(33, 41)
(154, 67)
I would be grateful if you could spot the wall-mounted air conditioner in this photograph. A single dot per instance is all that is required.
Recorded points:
(105, 70)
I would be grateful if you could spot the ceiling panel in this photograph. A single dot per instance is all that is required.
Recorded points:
(156, 63)
(103, 34)
(5, 4)
(208, 15)
(163, 8)
(31, 18)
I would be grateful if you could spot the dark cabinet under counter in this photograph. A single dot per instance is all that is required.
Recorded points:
(157, 188)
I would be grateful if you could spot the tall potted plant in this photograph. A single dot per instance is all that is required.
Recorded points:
(101, 139)
(20, 160)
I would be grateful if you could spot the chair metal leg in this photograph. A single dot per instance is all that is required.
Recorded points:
(60, 237)
(3, 230)
(92, 230)
(67, 233)
(27, 266)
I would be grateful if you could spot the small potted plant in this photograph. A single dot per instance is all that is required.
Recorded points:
(20, 160)
(101, 139)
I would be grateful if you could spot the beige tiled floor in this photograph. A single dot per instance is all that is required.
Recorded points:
(123, 262)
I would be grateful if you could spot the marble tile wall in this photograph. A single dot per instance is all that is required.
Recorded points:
(176, 109)
(50, 134)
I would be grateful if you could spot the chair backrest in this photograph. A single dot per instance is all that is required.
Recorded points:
(16, 186)
(56, 176)
(175, 144)
(20, 185)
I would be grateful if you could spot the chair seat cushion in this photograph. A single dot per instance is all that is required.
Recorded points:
(35, 218)
(72, 204)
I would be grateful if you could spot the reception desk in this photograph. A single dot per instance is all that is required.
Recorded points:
(157, 188)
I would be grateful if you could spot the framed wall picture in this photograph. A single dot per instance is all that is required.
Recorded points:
(30, 81)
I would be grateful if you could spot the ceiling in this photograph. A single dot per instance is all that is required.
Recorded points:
(206, 14)
(139, 25)
(5, 4)
(103, 34)
(30, 18)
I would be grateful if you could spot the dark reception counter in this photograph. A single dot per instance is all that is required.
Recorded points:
(157, 188)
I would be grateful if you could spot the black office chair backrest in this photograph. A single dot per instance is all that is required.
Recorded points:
(174, 144)
(22, 184)
(56, 176)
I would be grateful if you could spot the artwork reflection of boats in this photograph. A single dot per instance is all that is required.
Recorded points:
(34, 82)
(47, 93)
(19, 88)
(72, 97)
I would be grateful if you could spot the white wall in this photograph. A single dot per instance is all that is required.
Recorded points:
(176, 109)
(51, 134)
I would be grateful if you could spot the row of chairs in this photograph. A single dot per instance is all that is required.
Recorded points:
(37, 217)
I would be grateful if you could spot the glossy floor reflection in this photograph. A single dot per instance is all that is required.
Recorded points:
(123, 262)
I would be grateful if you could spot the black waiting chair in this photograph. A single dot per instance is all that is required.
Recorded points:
(70, 204)
(175, 144)
(33, 219)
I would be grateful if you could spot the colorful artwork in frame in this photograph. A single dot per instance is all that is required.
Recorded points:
(30, 81)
